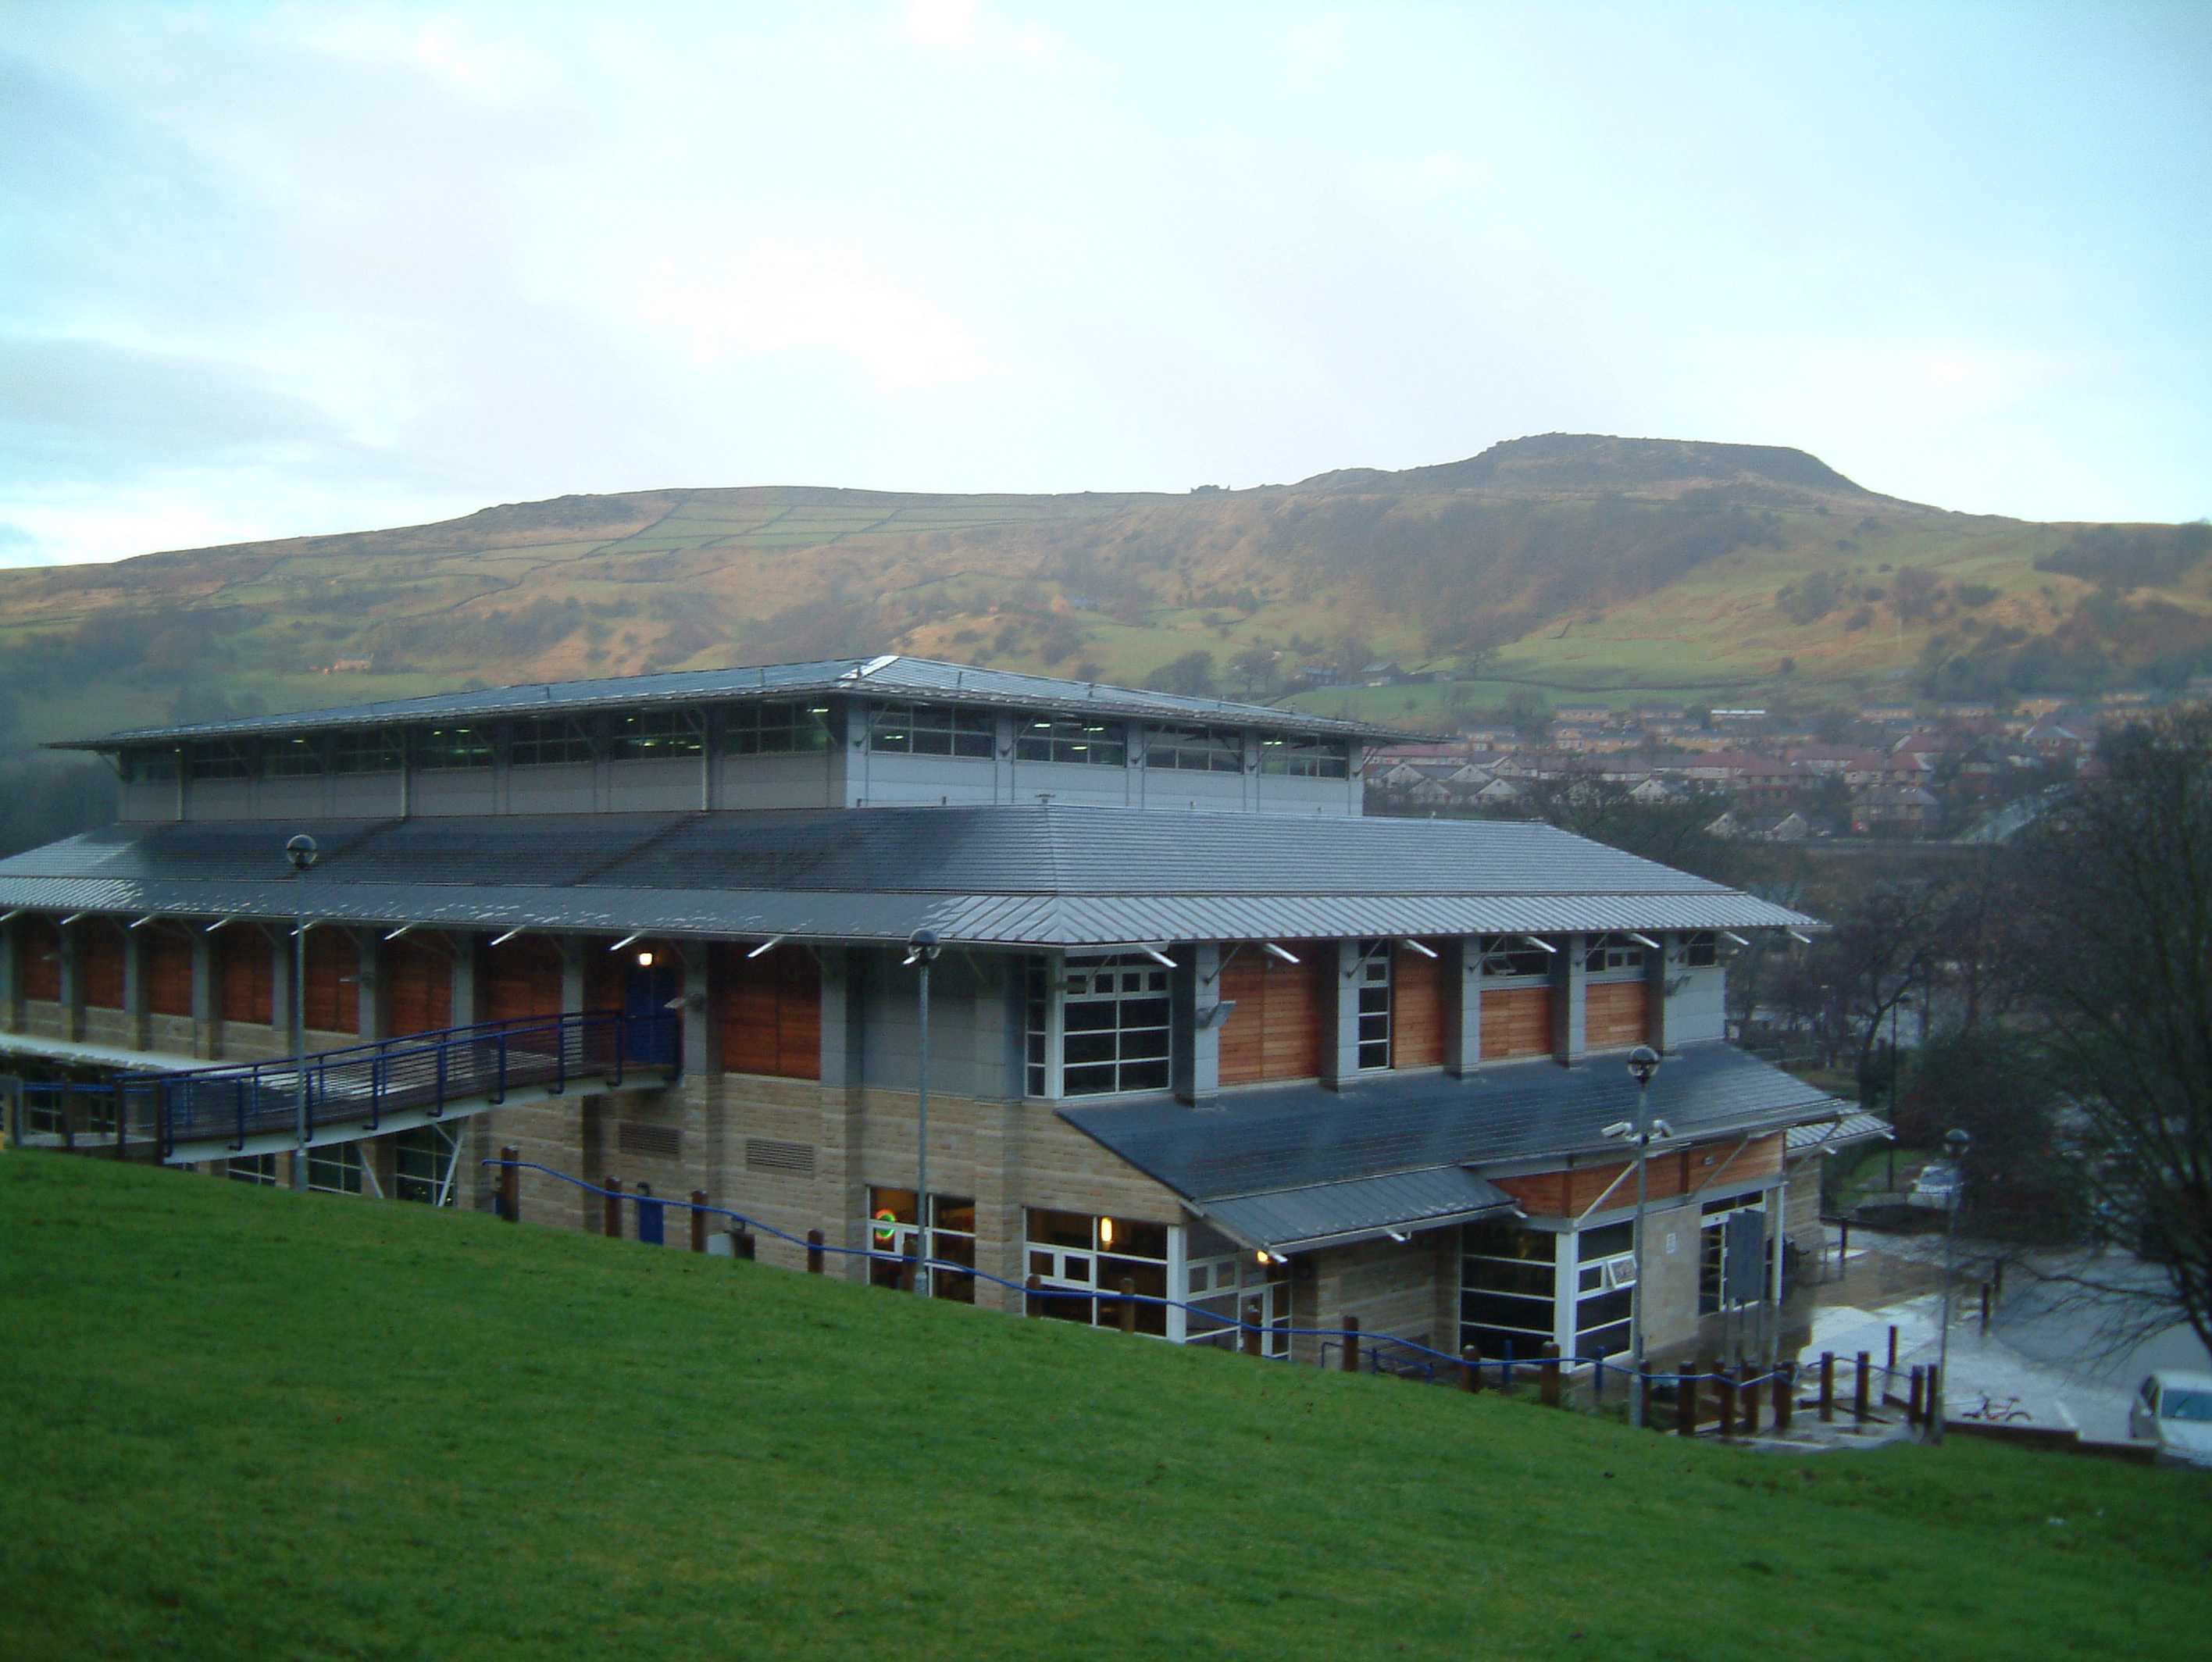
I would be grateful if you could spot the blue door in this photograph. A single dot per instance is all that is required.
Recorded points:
(651, 1217)
(651, 1031)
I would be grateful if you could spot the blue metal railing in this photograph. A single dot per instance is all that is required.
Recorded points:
(356, 1086)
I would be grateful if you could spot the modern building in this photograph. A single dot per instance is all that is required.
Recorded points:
(1195, 1022)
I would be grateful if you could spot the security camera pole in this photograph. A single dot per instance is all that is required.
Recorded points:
(301, 850)
(921, 949)
(1643, 1062)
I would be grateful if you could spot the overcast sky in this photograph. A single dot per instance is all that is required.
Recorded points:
(275, 269)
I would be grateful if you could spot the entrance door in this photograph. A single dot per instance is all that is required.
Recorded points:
(647, 990)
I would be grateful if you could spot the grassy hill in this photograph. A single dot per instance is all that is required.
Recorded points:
(1576, 563)
(246, 1424)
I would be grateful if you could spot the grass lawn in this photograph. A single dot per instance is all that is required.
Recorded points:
(246, 1424)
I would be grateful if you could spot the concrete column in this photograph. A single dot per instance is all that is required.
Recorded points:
(702, 1031)
(1463, 1036)
(206, 994)
(134, 989)
(1197, 1050)
(1339, 1043)
(573, 949)
(72, 985)
(468, 978)
(1655, 972)
(837, 1062)
(1570, 999)
(11, 977)
(374, 998)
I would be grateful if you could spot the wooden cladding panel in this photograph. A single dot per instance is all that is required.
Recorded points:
(1424, 1001)
(39, 962)
(419, 975)
(1562, 1194)
(1616, 1014)
(99, 965)
(165, 959)
(770, 1010)
(245, 975)
(333, 985)
(1517, 1021)
(1276, 1030)
(522, 979)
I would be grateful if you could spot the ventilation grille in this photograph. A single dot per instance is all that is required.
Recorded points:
(764, 1154)
(655, 1142)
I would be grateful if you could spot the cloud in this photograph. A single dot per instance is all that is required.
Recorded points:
(19, 548)
(93, 410)
(943, 23)
(775, 297)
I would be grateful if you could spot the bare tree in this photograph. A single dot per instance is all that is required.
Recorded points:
(2121, 953)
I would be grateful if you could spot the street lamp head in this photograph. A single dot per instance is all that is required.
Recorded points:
(1643, 1062)
(922, 946)
(1956, 1142)
(301, 850)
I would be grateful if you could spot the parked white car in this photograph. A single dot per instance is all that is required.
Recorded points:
(2175, 1411)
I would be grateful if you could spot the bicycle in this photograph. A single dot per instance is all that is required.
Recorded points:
(1996, 1412)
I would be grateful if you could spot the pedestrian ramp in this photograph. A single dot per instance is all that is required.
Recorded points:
(355, 1092)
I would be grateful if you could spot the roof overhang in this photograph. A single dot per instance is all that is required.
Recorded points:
(1391, 1207)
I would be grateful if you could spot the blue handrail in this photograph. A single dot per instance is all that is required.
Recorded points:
(356, 1086)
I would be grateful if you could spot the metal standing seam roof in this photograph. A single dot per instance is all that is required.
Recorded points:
(1031, 876)
(1360, 1209)
(1852, 1128)
(1296, 1136)
(887, 677)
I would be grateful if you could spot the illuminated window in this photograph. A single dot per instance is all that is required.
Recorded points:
(452, 747)
(891, 1228)
(299, 757)
(1076, 1253)
(1306, 758)
(932, 730)
(1196, 749)
(369, 750)
(1071, 739)
(776, 730)
(547, 740)
(649, 735)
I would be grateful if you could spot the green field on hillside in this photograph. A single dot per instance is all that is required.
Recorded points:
(244, 1423)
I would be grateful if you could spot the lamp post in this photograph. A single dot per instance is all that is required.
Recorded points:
(922, 951)
(301, 850)
(1643, 1062)
(1956, 1142)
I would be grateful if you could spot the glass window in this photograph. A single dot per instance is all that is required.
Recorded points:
(452, 747)
(422, 1158)
(1196, 749)
(369, 750)
(150, 767)
(1605, 1282)
(1075, 1251)
(1114, 1017)
(1712, 1250)
(1507, 955)
(651, 735)
(334, 1168)
(952, 1240)
(1072, 739)
(1306, 758)
(293, 758)
(932, 730)
(1374, 1004)
(549, 739)
(1699, 950)
(1507, 1282)
(1037, 1008)
(1609, 952)
(251, 1168)
(775, 729)
(1225, 1286)
(217, 760)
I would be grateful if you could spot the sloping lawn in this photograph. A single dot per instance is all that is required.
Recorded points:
(243, 1425)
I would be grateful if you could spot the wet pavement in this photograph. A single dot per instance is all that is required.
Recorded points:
(2052, 1357)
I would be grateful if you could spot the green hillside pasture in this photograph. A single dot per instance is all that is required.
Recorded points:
(246, 1424)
